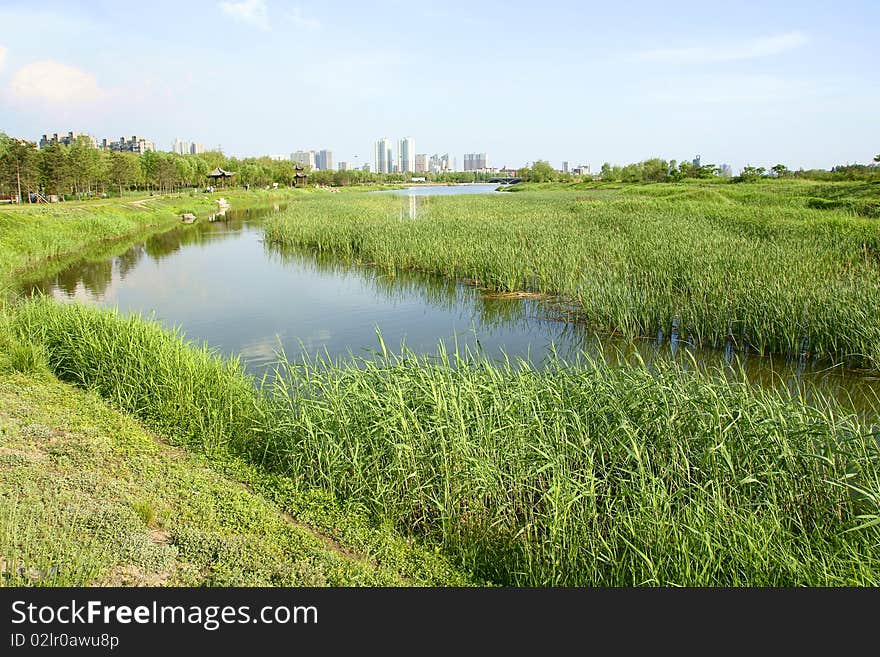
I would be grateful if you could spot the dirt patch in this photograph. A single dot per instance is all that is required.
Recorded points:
(515, 295)
(128, 575)
(160, 537)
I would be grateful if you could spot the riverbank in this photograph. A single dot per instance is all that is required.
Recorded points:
(90, 496)
(35, 235)
(582, 474)
(755, 266)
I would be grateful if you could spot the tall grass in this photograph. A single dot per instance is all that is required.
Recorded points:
(574, 474)
(751, 264)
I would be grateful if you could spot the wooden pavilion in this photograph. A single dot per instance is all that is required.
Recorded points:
(300, 177)
(219, 174)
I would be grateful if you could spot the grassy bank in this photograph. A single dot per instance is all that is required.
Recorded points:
(34, 235)
(89, 496)
(579, 474)
(754, 264)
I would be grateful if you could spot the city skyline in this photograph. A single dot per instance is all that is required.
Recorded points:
(662, 81)
(323, 160)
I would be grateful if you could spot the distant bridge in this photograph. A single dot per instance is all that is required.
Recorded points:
(506, 181)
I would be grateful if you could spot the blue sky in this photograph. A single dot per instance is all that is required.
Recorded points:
(739, 82)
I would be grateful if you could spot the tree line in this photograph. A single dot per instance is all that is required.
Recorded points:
(80, 170)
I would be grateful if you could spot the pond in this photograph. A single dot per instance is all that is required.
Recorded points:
(222, 284)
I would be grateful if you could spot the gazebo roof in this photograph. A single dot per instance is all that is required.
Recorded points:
(220, 173)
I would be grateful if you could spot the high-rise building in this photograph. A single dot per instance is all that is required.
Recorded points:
(474, 161)
(382, 156)
(343, 166)
(181, 147)
(566, 166)
(406, 155)
(696, 162)
(67, 139)
(726, 171)
(421, 163)
(134, 145)
(324, 160)
(441, 163)
(304, 158)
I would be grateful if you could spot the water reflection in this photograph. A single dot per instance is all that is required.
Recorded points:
(93, 277)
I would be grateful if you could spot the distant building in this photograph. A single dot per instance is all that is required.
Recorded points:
(696, 162)
(474, 161)
(382, 156)
(441, 163)
(324, 160)
(566, 167)
(421, 163)
(406, 154)
(581, 170)
(366, 168)
(726, 171)
(343, 166)
(304, 158)
(181, 147)
(133, 145)
(67, 140)
(198, 149)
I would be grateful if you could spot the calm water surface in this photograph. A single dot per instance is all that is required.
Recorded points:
(220, 283)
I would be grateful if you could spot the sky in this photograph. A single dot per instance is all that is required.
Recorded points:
(588, 82)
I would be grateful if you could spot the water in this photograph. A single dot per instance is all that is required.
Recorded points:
(444, 190)
(222, 284)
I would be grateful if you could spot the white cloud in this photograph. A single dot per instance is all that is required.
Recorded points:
(303, 22)
(727, 52)
(253, 12)
(51, 83)
(3, 52)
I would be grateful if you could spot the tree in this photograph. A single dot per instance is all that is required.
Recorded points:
(750, 174)
(655, 170)
(17, 164)
(83, 162)
(123, 170)
(53, 168)
(541, 171)
(608, 172)
(780, 170)
(877, 158)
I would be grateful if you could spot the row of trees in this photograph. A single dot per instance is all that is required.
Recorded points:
(80, 171)
(657, 170)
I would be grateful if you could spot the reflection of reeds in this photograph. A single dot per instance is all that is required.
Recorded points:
(737, 262)
(574, 474)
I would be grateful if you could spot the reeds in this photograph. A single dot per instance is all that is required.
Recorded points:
(571, 474)
(751, 264)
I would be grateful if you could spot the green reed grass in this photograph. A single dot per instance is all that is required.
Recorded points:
(573, 474)
(750, 263)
